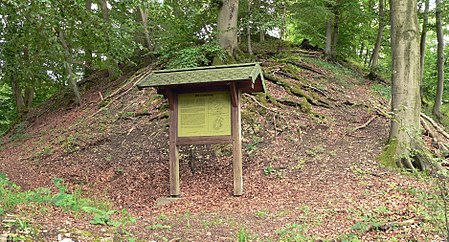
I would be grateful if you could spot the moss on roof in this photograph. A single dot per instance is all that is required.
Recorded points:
(210, 74)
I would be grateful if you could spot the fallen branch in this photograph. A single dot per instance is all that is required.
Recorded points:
(395, 224)
(436, 125)
(365, 124)
(434, 135)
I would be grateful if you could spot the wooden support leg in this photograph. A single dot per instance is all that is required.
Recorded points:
(174, 171)
(174, 151)
(236, 143)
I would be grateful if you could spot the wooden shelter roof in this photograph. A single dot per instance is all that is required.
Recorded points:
(248, 77)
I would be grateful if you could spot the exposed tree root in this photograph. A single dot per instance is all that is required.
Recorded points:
(297, 90)
(305, 67)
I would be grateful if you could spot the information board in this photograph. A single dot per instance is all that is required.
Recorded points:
(204, 114)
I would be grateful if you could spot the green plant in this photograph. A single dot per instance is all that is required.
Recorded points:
(253, 145)
(268, 170)
(367, 223)
(262, 213)
(382, 89)
(294, 232)
(315, 151)
(19, 131)
(243, 235)
(158, 226)
(70, 144)
(101, 217)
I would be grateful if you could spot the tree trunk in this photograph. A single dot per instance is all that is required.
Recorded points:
(362, 49)
(328, 48)
(406, 104)
(144, 19)
(283, 27)
(88, 47)
(227, 26)
(422, 48)
(112, 63)
(261, 34)
(335, 32)
(18, 98)
(68, 66)
(440, 56)
(248, 29)
(376, 51)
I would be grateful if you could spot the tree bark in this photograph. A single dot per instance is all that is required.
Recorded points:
(261, 34)
(284, 16)
(335, 31)
(18, 97)
(406, 104)
(227, 26)
(328, 48)
(68, 66)
(144, 19)
(88, 47)
(422, 48)
(376, 51)
(248, 29)
(113, 65)
(440, 57)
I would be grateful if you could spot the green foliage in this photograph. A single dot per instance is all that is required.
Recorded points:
(294, 232)
(193, 56)
(7, 107)
(11, 196)
(158, 226)
(382, 89)
(19, 131)
(253, 146)
(243, 235)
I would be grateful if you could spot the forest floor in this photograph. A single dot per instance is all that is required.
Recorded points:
(310, 167)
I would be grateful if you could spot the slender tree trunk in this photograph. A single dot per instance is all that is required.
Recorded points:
(29, 87)
(284, 16)
(248, 28)
(440, 56)
(144, 19)
(328, 47)
(362, 49)
(88, 47)
(406, 104)
(422, 48)
(376, 51)
(227, 26)
(68, 66)
(335, 32)
(261, 34)
(112, 63)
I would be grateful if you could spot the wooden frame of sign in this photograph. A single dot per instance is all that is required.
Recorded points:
(206, 110)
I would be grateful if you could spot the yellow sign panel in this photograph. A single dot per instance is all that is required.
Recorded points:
(204, 114)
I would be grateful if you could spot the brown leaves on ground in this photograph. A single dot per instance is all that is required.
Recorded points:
(311, 170)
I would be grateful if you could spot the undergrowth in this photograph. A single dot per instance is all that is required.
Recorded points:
(12, 196)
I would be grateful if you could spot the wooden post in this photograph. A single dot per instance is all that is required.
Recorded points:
(236, 141)
(173, 149)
